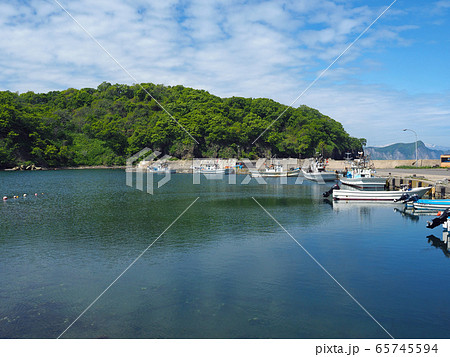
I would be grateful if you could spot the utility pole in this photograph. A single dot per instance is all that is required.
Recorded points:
(417, 161)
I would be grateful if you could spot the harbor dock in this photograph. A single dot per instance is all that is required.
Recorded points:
(438, 178)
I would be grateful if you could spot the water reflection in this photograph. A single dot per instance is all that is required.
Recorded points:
(408, 215)
(413, 215)
(443, 244)
(328, 201)
(225, 269)
(366, 209)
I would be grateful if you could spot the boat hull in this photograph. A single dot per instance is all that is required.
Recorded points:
(381, 196)
(325, 176)
(431, 205)
(364, 182)
(168, 171)
(213, 172)
(291, 173)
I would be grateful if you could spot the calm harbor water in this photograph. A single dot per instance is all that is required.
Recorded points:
(225, 269)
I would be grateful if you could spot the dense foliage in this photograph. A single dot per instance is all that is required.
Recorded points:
(104, 126)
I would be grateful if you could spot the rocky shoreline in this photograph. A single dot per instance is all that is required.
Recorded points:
(31, 167)
(38, 168)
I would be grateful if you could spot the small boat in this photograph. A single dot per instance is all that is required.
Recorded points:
(275, 170)
(161, 168)
(429, 205)
(442, 218)
(314, 170)
(382, 196)
(212, 169)
(362, 175)
(364, 182)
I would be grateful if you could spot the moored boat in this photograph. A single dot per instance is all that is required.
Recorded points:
(364, 182)
(212, 169)
(275, 170)
(314, 170)
(161, 168)
(382, 196)
(430, 205)
(362, 175)
(442, 218)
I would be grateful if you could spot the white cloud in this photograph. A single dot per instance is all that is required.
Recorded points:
(380, 114)
(255, 49)
(443, 4)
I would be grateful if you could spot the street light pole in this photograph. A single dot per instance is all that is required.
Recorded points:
(417, 161)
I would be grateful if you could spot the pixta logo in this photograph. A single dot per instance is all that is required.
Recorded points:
(146, 164)
(147, 170)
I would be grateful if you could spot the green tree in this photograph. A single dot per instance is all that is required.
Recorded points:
(104, 125)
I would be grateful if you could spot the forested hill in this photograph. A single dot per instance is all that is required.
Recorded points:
(104, 126)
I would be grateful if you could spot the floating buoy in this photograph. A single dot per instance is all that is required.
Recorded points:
(24, 195)
(35, 194)
(5, 198)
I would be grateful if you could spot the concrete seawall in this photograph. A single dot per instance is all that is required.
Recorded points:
(385, 164)
(185, 165)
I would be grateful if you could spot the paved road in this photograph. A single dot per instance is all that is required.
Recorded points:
(432, 174)
(418, 172)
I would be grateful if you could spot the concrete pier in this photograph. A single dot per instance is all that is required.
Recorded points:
(439, 179)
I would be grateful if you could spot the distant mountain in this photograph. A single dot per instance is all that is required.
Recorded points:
(437, 147)
(402, 151)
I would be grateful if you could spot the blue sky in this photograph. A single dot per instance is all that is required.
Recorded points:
(395, 76)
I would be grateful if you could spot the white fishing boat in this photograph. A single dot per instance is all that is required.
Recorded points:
(212, 169)
(275, 170)
(364, 181)
(315, 170)
(362, 175)
(161, 168)
(382, 196)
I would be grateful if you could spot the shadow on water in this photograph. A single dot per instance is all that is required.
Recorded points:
(440, 244)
